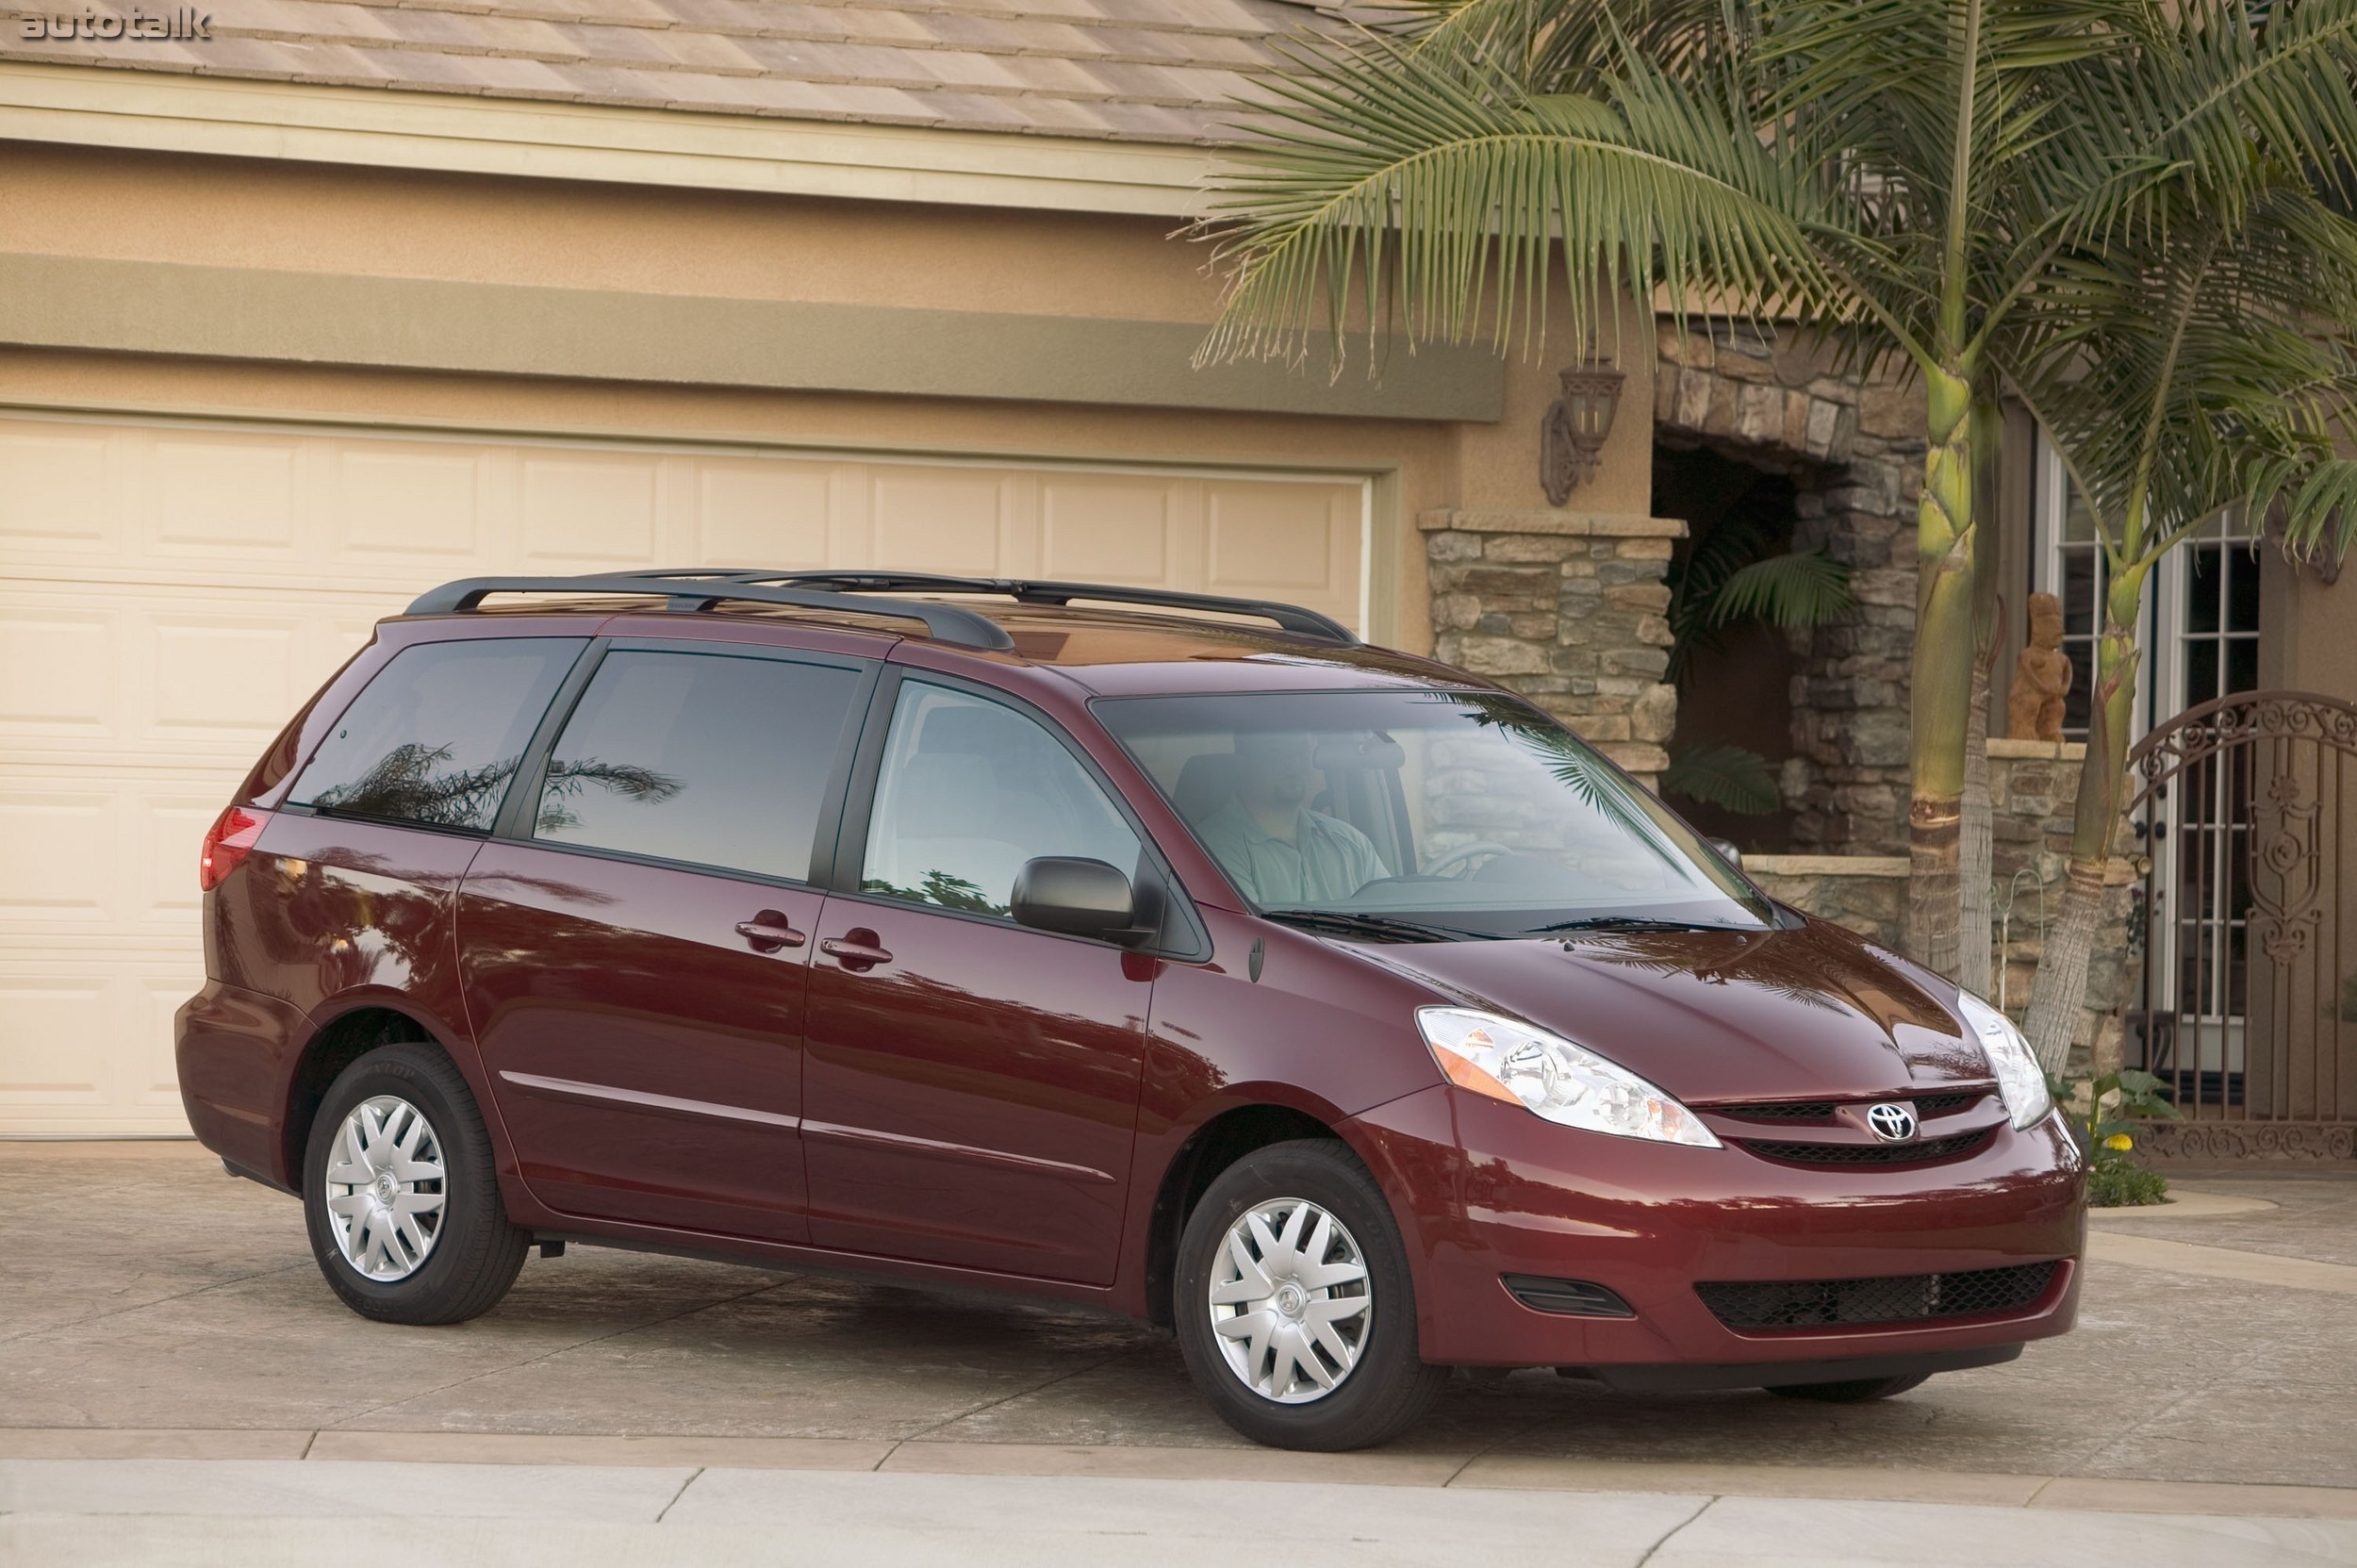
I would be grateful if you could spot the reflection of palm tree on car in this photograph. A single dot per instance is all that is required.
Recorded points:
(405, 786)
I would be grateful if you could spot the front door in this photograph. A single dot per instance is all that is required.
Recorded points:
(636, 956)
(970, 1086)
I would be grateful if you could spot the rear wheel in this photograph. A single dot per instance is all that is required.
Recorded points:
(401, 1195)
(1294, 1308)
(1856, 1392)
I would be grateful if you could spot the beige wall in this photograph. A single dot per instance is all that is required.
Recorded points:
(2311, 642)
(257, 214)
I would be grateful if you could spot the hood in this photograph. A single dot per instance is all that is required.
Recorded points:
(1720, 1017)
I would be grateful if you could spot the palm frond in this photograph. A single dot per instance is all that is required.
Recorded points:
(1437, 197)
(1727, 776)
(1802, 587)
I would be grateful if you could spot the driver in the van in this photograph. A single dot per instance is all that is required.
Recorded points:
(1278, 851)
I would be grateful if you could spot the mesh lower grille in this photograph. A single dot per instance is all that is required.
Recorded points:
(1794, 1111)
(1905, 1298)
(1869, 1154)
(1822, 1109)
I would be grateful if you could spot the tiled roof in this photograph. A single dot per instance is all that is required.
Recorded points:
(1166, 70)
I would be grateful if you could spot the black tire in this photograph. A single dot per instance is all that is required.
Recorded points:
(1856, 1392)
(476, 1252)
(1387, 1389)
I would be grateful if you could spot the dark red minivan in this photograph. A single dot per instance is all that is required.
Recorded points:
(1336, 1010)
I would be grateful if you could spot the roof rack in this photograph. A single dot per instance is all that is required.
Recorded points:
(692, 588)
(1292, 618)
(680, 589)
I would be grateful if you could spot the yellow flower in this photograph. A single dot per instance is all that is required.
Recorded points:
(2119, 1140)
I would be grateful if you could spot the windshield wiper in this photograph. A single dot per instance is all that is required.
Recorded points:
(1628, 922)
(1383, 928)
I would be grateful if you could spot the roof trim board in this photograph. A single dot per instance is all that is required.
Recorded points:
(154, 111)
(124, 307)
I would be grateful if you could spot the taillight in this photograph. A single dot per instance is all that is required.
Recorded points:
(228, 842)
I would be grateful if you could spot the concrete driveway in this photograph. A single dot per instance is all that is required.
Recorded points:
(154, 1310)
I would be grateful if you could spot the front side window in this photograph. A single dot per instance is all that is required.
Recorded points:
(438, 734)
(1460, 812)
(705, 758)
(971, 790)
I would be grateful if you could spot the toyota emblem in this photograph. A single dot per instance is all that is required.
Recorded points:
(1892, 1122)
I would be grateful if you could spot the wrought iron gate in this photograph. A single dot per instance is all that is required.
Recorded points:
(2249, 925)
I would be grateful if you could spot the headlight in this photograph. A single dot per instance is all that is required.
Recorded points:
(1554, 1077)
(2020, 1079)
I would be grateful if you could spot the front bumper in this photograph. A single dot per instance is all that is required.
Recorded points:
(1482, 1189)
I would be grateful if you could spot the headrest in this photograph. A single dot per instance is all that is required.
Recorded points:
(1205, 784)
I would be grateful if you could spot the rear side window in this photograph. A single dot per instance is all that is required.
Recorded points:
(700, 757)
(437, 736)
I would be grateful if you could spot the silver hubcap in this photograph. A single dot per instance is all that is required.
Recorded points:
(1291, 1304)
(385, 1187)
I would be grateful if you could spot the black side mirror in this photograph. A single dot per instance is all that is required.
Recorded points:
(1727, 852)
(1076, 898)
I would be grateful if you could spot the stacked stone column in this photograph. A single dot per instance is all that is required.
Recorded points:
(1566, 608)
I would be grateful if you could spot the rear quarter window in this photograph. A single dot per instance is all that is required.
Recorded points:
(437, 736)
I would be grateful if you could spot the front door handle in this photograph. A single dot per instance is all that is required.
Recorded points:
(857, 949)
(768, 930)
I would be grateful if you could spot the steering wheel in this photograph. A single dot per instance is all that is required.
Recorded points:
(1462, 854)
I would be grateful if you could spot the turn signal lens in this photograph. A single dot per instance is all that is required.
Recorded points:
(1553, 1077)
(231, 839)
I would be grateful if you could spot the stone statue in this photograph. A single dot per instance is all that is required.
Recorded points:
(2041, 676)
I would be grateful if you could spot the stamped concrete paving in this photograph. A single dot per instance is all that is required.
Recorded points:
(142, 1291)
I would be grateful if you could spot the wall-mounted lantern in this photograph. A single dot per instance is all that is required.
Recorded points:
(1572, 438)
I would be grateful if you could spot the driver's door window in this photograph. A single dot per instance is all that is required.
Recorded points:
(970, 789)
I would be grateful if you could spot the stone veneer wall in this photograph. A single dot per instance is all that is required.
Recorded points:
(1566, 608)
(1855, 452)
(2031, 784)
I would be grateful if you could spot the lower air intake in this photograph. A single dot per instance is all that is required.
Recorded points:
(1902, 1298)
(1565, 1297)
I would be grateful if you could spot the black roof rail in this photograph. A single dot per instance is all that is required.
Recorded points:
(700, 590)
(1292, 618)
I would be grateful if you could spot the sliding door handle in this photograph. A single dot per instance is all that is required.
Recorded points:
(856, 949)
(768, 930)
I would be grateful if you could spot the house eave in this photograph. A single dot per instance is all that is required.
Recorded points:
(376, 127)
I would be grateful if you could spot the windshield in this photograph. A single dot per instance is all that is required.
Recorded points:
(1423, 814)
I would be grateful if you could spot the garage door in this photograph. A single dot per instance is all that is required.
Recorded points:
(169, 593)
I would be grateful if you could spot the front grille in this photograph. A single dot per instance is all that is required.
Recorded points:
(1905, 1298)
(1869, 1154)
(1793, 1111)
(1565, 1297)
(1926, 1106)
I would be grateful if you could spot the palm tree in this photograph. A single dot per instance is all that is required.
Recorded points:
(2206, 361)
(1905, 176)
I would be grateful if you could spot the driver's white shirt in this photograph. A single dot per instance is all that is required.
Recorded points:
(1327, 861)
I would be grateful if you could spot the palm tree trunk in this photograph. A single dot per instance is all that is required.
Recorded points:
(1940, 686)
(1975, 859)
(2060, 994)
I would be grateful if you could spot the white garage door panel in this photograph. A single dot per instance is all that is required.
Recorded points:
(170, 591)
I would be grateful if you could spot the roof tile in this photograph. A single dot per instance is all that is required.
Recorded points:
(1172, 71)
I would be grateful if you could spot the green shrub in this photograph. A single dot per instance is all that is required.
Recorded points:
(2103, 1118)
(2116, 1181)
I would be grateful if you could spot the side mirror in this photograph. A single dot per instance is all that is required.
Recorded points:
(1727, 852)
(1076, 898)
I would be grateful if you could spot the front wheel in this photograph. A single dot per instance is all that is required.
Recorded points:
(401, 1195)
(1294, 1308)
